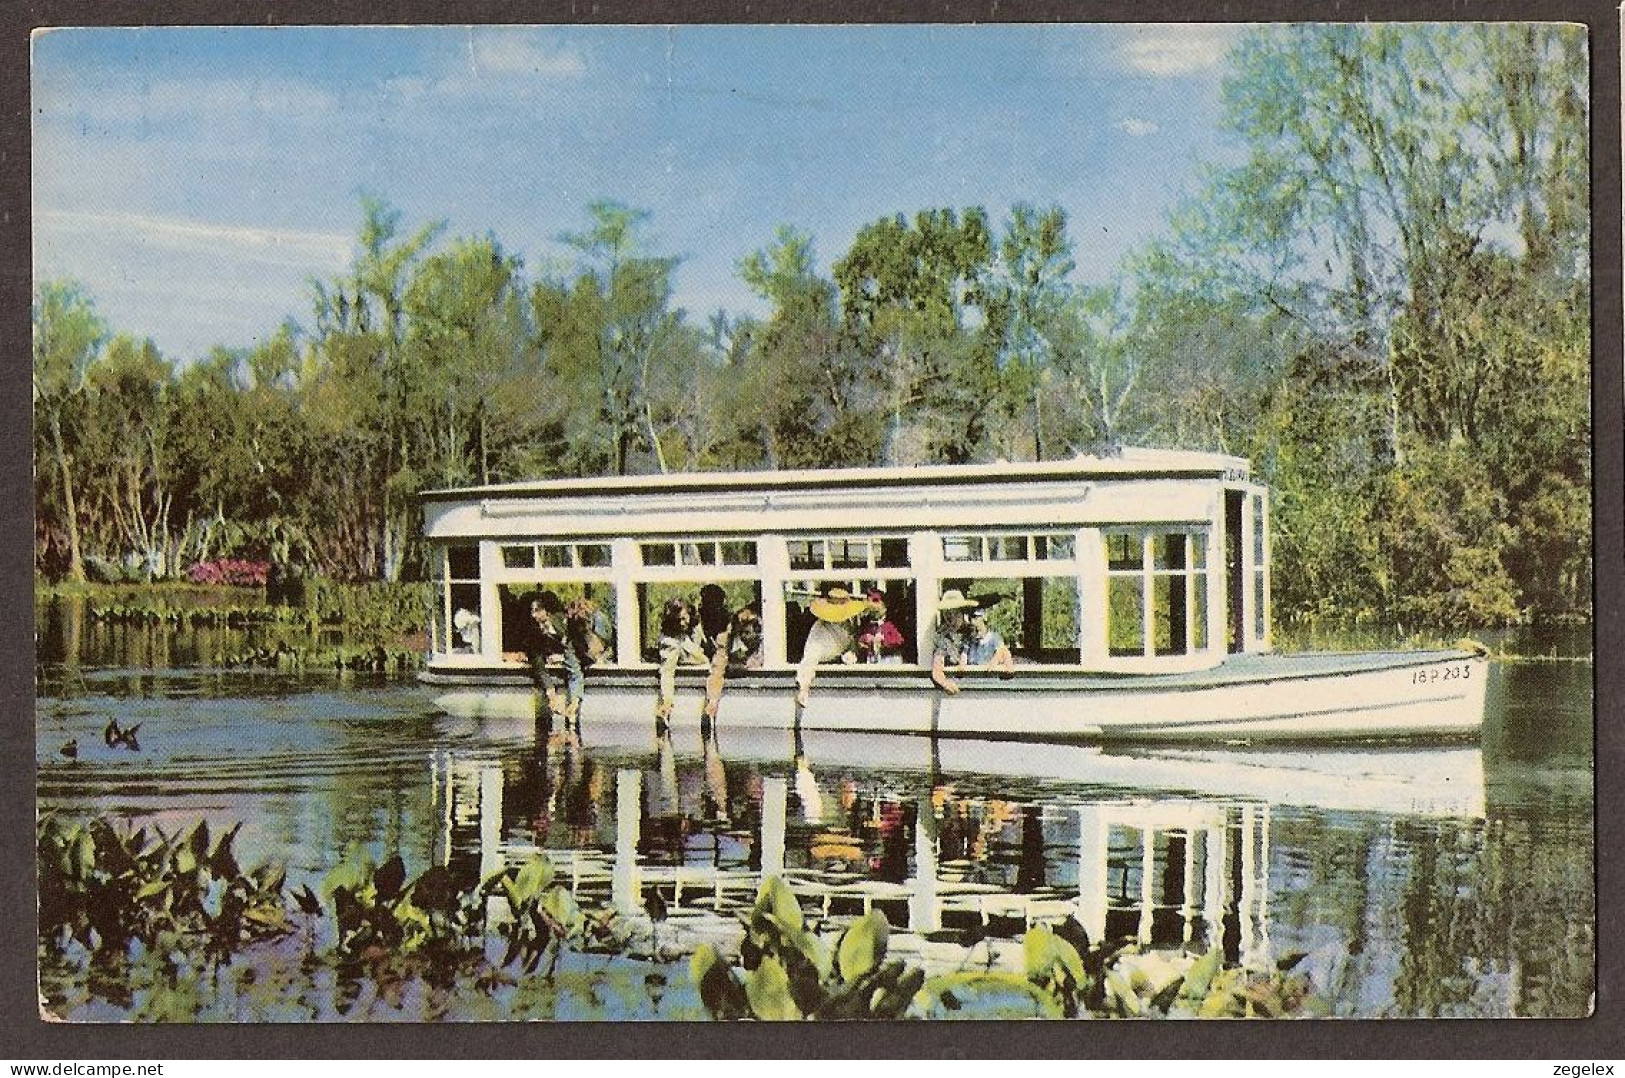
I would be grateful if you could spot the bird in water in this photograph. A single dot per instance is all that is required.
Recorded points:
(70, 748)
(118, 737)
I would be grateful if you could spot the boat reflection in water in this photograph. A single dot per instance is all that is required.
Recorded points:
(956, 842)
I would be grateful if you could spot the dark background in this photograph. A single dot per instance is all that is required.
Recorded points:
(24, 1037)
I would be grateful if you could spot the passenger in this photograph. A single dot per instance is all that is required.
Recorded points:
(879, 640)
(831, 637)
(985, 648)
(546, 642)
(745, 640)
(587, 630)
(679, 646)
(715, 632)
(950, 649)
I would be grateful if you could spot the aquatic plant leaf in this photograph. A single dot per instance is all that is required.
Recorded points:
(1165, 997)
(862, 945)
(768, 989)
(1043, 951)
(221, 861)
(82, 854)
(436, 890)
(724, 997)
(389, 877)
(536, 874)
(1290, 961)
(1128, 1001)
(777, 901)
(197, 841)
(1200, 976)
(351, 874)
(562, 907)
(307, 900)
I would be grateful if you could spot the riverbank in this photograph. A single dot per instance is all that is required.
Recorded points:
(373, 626)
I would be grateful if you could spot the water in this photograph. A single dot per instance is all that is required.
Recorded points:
(1420, 882)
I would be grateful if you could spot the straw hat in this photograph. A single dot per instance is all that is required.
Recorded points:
(954, 599)
(837, 604)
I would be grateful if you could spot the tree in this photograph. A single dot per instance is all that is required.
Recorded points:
(905, 292)
(67, 334)
(361, 387)
(467, 336)
(610, 325)
(794, 384)
(1036, 259)
(127, 435)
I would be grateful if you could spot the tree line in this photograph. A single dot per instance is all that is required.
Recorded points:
(1384, 302)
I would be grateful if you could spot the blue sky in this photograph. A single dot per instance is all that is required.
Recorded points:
(194, 179)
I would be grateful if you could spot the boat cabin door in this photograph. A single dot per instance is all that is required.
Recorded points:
(1235, 579)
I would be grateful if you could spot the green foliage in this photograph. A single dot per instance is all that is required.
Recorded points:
(377, 913)
(787, 973)
(543, 917)
(106, 888)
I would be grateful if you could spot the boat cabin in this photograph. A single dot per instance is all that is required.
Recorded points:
(1152, 561)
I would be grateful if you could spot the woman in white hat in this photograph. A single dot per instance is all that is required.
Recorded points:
(950, 650)
(832, 636)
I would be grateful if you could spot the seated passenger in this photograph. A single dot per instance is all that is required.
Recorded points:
(745, 640)
(984, 647)
(831, 637)
(879, 640)
(950, 649)
(679, 646)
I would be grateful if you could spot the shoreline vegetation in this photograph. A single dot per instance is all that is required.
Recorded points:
(140, 923)
(369, 626)
(1391, 321)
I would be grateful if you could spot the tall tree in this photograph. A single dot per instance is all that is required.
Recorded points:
(906, 289)
(611, 324)
(67, 334)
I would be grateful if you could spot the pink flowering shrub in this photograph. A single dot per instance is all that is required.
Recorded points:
(235, 572)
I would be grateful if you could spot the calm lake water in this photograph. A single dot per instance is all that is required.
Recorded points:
(1449, 881)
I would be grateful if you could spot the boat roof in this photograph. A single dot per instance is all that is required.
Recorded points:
(1129, 463)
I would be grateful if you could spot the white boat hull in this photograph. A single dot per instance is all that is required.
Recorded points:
(1382, 696)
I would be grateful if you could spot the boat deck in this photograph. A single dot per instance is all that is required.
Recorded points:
(1241, 669)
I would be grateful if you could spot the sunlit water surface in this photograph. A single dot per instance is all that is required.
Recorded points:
(1469, 893)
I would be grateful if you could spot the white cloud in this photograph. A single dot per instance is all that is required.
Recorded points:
(1136, 127)
(283, 247)
(1176, 49)
(516, 51)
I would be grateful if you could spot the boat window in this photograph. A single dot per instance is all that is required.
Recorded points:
(1007, 547)
(556, 556)
(807, 554)
(464, 562)
(1156, 592)
(898, 598)
(455, 620)
(659, 554)
(738, 553)
(693, 552)
(961, 548)
(653, 596)
(697, 553)
(1035, 616)
(1057, 547)
(591, 605)
(1260, 571)
(851, 552)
